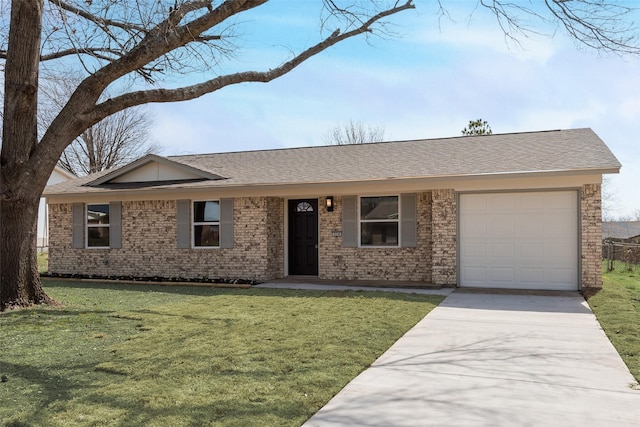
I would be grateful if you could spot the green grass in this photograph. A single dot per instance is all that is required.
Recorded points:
(43, 262)
(116, 354)
(617, 307)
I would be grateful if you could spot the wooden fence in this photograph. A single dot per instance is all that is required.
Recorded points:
(627, 253)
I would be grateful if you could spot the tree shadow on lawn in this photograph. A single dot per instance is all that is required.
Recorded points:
(114, 393)
(55, 398)
(45, 386)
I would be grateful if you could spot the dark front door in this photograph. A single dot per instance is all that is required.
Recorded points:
(303, 237)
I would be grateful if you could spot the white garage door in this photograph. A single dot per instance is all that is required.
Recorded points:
(525, 240)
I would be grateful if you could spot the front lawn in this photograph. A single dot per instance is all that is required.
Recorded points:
(617, 307)
(117, 354)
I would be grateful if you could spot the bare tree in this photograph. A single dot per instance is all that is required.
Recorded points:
(608, 199)
(113, 141)
(477, 127)
(150, 39)
(354, 133)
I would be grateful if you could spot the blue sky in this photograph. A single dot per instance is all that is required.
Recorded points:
(426, 83)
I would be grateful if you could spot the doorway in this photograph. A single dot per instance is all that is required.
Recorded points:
(303, 237)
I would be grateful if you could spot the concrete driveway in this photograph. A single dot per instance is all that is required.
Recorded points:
(494, 360)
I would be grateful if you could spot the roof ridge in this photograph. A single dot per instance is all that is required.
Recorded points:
(327, 146)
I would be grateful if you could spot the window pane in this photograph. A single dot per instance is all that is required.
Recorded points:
(206, 235)
(206, 211)
(379, 207)
(304, 207)
(379, 234)
(97, 237)
(98, 214)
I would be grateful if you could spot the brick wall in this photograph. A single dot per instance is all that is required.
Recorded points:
(275, 237)
(591, 235)
(149, 245)
(337, 262)
(443, 249)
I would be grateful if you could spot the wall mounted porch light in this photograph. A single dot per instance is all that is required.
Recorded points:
(329, 203)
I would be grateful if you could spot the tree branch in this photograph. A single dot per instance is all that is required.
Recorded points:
(100, 22)
(195, 91)
(95, 52)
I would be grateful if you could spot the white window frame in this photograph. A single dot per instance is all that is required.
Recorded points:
(361, 221)
(194, 224)
(88, 226)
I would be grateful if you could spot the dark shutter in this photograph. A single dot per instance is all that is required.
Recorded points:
(226, 223)
(115, 225)
(349, 222)
(408, 220)
(183, 215)
(77, 241)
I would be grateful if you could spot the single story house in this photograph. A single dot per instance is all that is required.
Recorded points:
(519, 210)
(58, 175)
(621, 241)
(621, 231)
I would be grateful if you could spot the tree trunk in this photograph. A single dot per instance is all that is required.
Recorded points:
(20, 284)
(20, 183)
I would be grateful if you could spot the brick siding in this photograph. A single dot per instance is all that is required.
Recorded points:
(444, 248)
(149, 245)
(405, 264)
(591, 235)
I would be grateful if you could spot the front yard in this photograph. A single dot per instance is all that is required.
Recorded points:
(617, 307)
(117, 354)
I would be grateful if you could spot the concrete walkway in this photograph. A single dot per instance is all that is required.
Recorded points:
(494, 360)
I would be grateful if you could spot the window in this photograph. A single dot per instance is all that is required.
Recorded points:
(206, 224)
(304, 207)
(379, 221)
(98, 226)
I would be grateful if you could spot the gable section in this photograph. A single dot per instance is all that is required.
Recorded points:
(152, 168)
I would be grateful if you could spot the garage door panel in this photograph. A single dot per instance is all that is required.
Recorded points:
(532, 276)
(504, 250)
(476, 202)
(475, 275)
(530, 201)
(562, 278)
(530, 226)
(519, 240)
(559, 253)
(532, 250)
(502, 226)
(500, 202)
(475, 249)
(558, 224)
(558, 200)
(503, 274)
(474, 226)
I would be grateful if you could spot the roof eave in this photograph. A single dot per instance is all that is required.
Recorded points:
(263, 186)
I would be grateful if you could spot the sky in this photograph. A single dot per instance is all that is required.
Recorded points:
(427, 81)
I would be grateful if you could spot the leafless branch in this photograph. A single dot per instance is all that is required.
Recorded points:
(598, 24)
(191, 92)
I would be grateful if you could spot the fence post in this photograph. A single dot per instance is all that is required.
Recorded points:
(610, 263)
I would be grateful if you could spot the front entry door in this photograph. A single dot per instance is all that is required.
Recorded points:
(303, 237)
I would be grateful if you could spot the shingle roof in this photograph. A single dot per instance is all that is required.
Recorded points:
(620, 229)
(530, 152)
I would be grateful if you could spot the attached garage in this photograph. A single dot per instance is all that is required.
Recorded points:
(519, 240)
